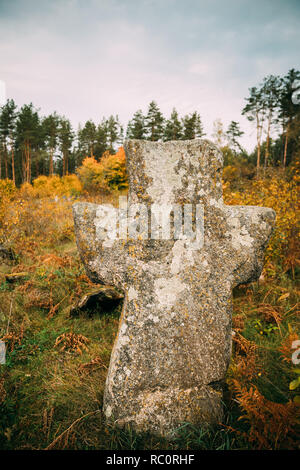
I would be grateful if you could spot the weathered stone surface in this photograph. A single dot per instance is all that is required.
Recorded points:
(174, 341)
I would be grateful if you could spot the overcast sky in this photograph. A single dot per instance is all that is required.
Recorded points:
(91, 58)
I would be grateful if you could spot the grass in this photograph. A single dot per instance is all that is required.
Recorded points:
(52, 398)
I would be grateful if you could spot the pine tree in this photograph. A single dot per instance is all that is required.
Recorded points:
(50, 126)
(271, 86)
(192, 126)
(7, 128)
(255, 111)
(102, 138)
(233, 133)
(173, 127)
(289, 110)
(114, 133)
(40, 152)
(27, 137)
(154, 122)
(66, 136)
(136, 126)
(87, 137)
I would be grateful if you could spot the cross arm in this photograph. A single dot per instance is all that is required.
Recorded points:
(103, 257)
(249, 230)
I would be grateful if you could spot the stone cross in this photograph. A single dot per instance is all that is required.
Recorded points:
(173, 346)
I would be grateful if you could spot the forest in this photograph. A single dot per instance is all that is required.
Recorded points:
(32, 145)
(52, 383)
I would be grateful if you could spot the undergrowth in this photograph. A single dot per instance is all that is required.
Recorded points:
(51, 387)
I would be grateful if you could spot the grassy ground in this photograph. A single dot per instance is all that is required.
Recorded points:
(51, 387)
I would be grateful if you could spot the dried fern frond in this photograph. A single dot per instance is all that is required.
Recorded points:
(72, 342)
(271, 424)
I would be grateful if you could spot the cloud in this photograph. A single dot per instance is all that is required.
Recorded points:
(88, 59)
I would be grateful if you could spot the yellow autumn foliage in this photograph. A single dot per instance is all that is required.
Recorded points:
(282, 195)
(109, 173)
(68, 185)
(51, 186)
(39, 228)
(279, 191)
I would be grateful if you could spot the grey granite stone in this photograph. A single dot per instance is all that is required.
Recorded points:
(173, 346)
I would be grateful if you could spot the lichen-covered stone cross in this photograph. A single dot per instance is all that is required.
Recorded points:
(174, 341)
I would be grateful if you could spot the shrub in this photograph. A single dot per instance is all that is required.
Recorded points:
(7, 189)
(91, 175)
(115, 170)
(109, 173)
(230, 173)
(27, 191)
(47, 186)
(282, 196)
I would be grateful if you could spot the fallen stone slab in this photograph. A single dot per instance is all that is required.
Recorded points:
(100, 300)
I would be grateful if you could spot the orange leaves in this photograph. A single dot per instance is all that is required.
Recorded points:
(71, 342)
(272, 425)
(56, 261)
(95, 363)
(282, 196)
(238, 322)
(109, 173)
(270, 422)
(243, 345)
(283, 296)
(7, 192)
(11, 339)
(47, 186)
(271, 314)
(91, 175)
(34, 222)
(245, 357)
(115, 170)
(51, 186)
(7, 189)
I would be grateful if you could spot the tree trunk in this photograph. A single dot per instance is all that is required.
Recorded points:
(37, 167)
(27, 163)
(51, 163)
(23, 165)
(258, 134)
(13, 164)
(6, 162)
(64, 163)
(258, 156)
(285, 146)
(268, 142)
